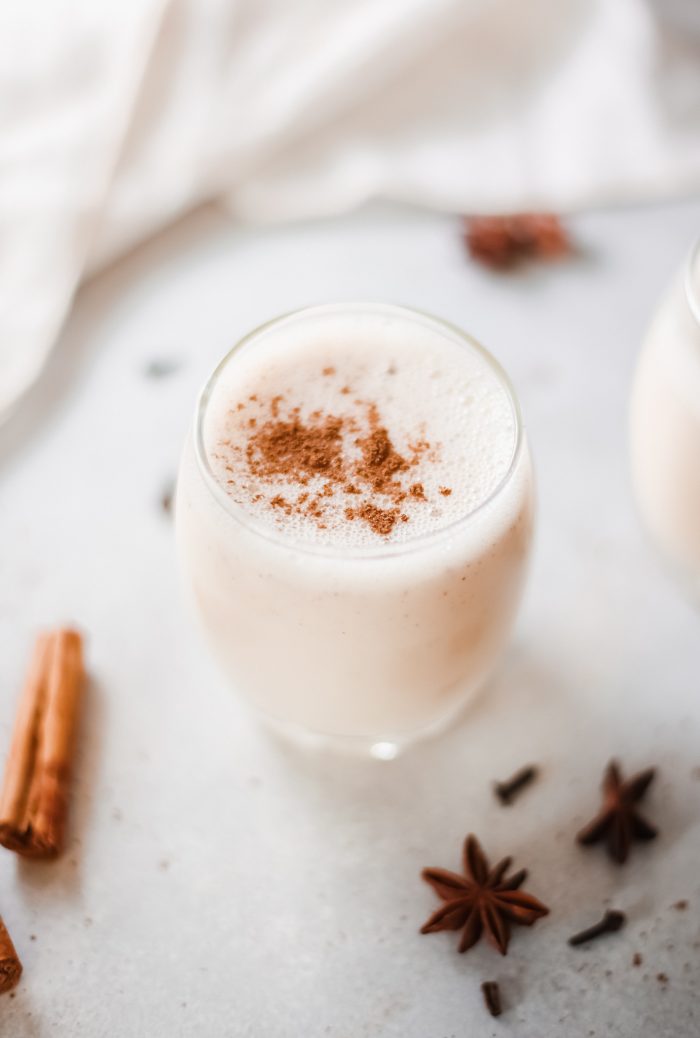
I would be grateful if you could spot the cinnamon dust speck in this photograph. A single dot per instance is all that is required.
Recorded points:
(445, 491)
(381, 520)
(167, 497)
(280, 502)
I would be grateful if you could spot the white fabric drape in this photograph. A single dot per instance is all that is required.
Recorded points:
(116, 118)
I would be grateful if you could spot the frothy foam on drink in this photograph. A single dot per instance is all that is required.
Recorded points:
(351, 432)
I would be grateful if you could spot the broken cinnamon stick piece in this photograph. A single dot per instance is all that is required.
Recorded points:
(35, 792)
(10, 966)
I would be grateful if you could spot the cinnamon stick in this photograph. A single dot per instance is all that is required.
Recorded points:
(35, 792)
(10, 966)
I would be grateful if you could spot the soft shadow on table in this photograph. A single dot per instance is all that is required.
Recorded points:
(70, 356)
(63, 875)
(21, 1016)
(430, 768)
(35, 410)
(532, 712)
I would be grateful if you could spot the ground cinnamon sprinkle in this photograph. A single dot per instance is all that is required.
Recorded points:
(382, 520)
(293, 448)
(331, 453)
(380, 463)
(280, 502)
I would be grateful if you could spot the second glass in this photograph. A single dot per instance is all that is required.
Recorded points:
(665, 426)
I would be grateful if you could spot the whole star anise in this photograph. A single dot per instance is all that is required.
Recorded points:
(483, 901)
(618, 822)
(501, 241)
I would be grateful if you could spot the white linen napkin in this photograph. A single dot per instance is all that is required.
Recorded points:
(116, 118)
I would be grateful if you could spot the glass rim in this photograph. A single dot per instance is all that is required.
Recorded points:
(692, 294)
(238, 513)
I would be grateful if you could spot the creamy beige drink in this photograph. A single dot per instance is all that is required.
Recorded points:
(665, 425)
(354, 515)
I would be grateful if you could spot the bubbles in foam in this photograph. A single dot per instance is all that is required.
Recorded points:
(426, 387)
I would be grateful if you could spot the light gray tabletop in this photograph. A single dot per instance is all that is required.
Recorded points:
(220, 883)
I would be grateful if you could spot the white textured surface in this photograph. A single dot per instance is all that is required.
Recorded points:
(220, 884)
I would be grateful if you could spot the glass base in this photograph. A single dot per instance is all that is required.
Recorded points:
(382, 748)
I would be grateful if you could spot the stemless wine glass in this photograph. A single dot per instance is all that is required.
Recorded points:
(665, 425)
(369, 646)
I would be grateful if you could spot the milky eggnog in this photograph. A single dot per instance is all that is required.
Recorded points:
(665, 425)
(354, 515)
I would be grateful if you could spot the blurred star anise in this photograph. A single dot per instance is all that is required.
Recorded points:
(500, 242)
(483, 901)
(618, 822)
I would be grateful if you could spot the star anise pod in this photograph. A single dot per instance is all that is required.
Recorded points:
(483, 901)
(501, 241)
(618, 822)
